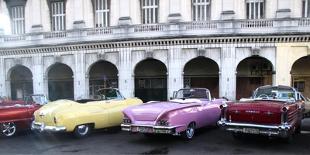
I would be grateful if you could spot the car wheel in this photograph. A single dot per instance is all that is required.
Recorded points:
(83, 130)
(298, 128)
(189, 132)
(8, 129)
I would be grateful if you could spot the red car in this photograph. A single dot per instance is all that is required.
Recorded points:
(18, 115)
(272, 111)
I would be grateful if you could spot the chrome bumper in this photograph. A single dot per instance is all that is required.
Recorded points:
(149, 129)
(282, 130)
(41, 127)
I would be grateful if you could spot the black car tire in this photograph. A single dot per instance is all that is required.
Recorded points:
(82, 130)
(189, 133)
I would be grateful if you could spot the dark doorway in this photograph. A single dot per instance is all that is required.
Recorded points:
(252, 72)
(102, 74)
(60, 82)
(151, 80)
(301, 75)
(21, 82)
(202, 72)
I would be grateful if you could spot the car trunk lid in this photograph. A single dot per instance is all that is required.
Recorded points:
(256, 111)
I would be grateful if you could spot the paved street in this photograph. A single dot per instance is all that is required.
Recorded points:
(114, 141)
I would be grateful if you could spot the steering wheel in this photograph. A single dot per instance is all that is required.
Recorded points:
(263, 96)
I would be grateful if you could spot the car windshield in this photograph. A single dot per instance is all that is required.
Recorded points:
(192, 93)
(108, 94)
(38, 99)
(274, 93)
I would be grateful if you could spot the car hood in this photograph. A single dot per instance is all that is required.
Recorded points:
(153, 110)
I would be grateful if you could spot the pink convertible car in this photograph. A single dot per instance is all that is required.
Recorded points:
(190, 109)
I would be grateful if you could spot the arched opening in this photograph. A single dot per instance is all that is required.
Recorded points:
(301, 75)
(21, 82)
(102, 74)
(203, 73)
(151, 80)
(60, 82)
(252, 72)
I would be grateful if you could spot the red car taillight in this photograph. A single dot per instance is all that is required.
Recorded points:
(284, 117)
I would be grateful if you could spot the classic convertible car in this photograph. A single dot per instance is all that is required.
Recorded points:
(190, 109)
(272, 111)
(81, 116)
(18, 114)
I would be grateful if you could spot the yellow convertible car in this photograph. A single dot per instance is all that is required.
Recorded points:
(81, 116)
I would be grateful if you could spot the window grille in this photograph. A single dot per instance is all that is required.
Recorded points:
(201, 10)
(18, 19)
(149, 11)
(255, 9)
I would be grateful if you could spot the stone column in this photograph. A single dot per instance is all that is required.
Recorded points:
(124, 12)
(175, 71)
(125, 73)
(3, 91)
(80, 84)
(284, 9)
(1, 33)
(228, 11)
(227, 78)
(79, 21)
(38, 75)
(174, 11)
(36, 14)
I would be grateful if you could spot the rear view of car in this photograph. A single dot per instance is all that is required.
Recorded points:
(191, 108)
(273, 111)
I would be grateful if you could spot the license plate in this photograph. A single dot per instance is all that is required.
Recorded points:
(250, 130)
(143, 129)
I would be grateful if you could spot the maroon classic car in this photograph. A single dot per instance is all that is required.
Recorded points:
(272, 111)
(18, 114)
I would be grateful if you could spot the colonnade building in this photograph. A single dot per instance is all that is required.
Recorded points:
(150, 48)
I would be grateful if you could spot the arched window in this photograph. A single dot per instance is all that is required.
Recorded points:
(255, 9)
(102, 13)
(201, 10)
(149, 9)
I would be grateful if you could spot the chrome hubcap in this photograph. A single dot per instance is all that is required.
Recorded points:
(83, 129)
(8, 129)
(190, 131)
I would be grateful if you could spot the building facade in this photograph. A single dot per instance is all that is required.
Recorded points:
(150, 48)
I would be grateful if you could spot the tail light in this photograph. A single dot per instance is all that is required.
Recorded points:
(126, 121)
(162, 123)
(223, 108)
(284, 117)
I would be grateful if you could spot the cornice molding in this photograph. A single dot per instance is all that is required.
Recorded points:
(154, 43)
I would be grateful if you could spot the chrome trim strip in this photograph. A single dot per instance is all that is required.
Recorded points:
(224, 123)
(41, 127)
(150, 126)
